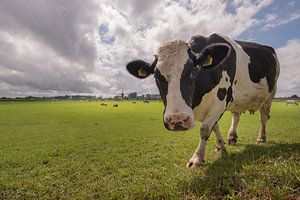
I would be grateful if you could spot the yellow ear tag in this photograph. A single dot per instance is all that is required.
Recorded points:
(208, 61)
(142, 73)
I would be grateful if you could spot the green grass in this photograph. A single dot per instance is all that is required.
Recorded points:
(80, 150)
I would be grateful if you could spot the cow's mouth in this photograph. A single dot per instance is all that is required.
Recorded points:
(178, 126)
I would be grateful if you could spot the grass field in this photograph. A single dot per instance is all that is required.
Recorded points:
(80, 150)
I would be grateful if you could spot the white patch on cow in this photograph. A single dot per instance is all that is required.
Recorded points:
(247, 95)
(210, 108)
(172, 57)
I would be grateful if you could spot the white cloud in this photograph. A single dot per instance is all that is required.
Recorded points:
(271, 17)
(272, 20)
(289, 79)
(140, 28)
(65, 47)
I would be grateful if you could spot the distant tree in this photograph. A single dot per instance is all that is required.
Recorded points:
(294, 96)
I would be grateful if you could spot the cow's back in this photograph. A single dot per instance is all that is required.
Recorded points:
(263, 63)
(257, 71)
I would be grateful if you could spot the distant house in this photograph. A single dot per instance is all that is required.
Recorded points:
(153, 96)
(118, 98)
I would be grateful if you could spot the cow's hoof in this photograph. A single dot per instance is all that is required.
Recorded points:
(261, 139)
(194, 162)
(220, 149)
(232, 138)
(232, 141)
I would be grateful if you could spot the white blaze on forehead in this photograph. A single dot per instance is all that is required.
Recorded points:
(172, 57)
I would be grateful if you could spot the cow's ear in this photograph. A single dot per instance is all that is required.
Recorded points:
(213, 55)
(140, 68)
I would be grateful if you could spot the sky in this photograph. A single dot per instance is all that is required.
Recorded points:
(68, 47)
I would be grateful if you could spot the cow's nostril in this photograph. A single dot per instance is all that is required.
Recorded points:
(186, 119)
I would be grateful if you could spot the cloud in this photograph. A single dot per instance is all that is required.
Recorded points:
(140, 28)
(65, 26)
(272, 20)
(82, 47)
(289, 79)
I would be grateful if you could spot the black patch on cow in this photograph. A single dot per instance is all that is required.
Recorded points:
(197, 43)
(221, 93)
(209, 78)
(262, 63)
(229, 96)
(162, 85)
(226, 79)
(192, 56)
(235, 82)
(187, 82)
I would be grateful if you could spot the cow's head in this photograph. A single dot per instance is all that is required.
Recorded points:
(175, 69)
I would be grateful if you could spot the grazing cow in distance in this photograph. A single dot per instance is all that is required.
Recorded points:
(201, 79)
(133, 102)
(146, 101)
(291, 102)
(116, 105)
(103, 104)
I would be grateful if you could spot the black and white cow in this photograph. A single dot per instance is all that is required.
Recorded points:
(201, 79)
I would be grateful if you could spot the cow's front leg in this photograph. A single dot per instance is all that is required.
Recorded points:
(198, 156)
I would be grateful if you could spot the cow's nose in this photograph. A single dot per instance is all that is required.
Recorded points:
(177, 122)
(179, 126)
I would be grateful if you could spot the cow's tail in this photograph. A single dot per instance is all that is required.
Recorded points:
(277, 67)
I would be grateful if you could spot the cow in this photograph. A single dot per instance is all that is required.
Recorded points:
(200, 79)
(291, 102)
(116, 105)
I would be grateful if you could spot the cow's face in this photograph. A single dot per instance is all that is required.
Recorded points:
(175, 69)
(175, 79)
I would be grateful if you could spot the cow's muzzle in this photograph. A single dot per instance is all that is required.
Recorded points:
(178, 122)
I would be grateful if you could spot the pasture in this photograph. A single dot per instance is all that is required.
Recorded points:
(81, 150)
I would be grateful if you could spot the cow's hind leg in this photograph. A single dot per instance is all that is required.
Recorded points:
(264, 115)
(220, 147)
(232, 133)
